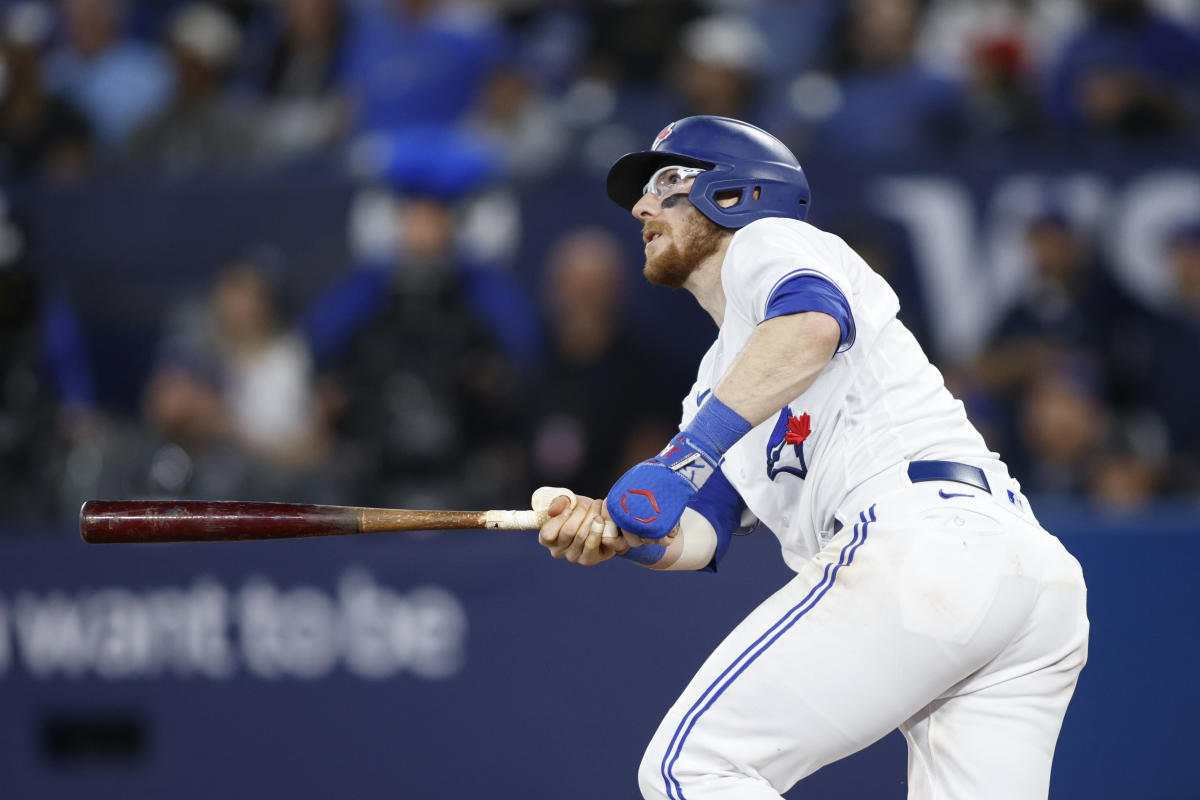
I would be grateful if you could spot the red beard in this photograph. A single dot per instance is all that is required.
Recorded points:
(695, 240)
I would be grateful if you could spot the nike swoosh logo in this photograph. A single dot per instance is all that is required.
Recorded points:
(942, 493)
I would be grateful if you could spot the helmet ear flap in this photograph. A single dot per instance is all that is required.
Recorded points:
(734, 202)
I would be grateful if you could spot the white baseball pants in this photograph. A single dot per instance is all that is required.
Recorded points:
(960, 621)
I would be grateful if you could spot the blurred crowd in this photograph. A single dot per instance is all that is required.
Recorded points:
(425, 376)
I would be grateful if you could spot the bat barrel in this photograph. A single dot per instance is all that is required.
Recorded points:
(116, 521)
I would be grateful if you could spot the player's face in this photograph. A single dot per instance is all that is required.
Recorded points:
(677, 236)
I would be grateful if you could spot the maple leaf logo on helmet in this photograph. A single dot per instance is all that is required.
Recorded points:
(662, 136)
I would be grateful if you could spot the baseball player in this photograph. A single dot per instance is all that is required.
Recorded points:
(926, 597)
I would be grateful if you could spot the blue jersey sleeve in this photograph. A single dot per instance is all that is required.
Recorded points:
(810, 292)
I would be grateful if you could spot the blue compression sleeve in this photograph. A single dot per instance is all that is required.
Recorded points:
(810, 292)
(722, 506)
(647, 554)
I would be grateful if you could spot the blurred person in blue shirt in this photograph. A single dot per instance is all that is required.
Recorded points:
(418, 61)
(884, 101)
(116, 81)
(1128, 72)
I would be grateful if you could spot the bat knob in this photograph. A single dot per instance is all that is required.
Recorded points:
(544, 496)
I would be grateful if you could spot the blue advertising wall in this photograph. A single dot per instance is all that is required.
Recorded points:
(472, 664)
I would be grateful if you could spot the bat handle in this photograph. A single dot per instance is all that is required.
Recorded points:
(526, 520)
(536, 517)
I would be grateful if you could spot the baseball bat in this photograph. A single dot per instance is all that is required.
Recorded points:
(127, 521)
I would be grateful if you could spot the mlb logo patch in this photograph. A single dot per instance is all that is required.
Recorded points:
(662, 136)
(785, 447)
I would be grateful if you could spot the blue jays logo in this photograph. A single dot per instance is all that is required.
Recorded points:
(785, 448)
(662, 136)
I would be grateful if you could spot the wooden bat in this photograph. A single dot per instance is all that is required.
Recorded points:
(124, 521)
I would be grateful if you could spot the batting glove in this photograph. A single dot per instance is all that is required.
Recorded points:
(649, 499)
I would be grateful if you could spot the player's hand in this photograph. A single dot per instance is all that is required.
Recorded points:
(649, 499)
(576, 534)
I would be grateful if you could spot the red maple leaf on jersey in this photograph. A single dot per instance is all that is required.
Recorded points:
(798, 429)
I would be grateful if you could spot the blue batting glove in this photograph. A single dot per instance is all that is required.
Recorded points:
(649, 499)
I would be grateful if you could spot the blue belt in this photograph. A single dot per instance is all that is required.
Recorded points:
(921, 471)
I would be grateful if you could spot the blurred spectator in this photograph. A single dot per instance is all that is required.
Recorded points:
(229, 409)
(1073, 445)
(599, 403)
(884, 101)
(45, 386)
(202, 127)
(1129, 72)
(633, 43)
(513, 113)
(999, 103)
(1070, 305)
(619, 92)
(41, 135)
(952, 32)
(1169, 380)
(418, 61)
(191, 451)
(796, 33)
(431, 400)
(1128, 472)
(1062, 424)
(302, 109)
(268, 372)
(117, 82)
(183, 446)
(721, 67)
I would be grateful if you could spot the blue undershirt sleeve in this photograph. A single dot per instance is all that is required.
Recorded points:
(809, 292)
(722, 506)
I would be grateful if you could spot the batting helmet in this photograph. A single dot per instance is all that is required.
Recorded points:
(736, 156)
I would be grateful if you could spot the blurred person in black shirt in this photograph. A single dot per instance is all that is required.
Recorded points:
(303, 107)
(42, 135)
(596, 379)
(429, 400)
(1070, 304)
(202, 127)
(1169, 380)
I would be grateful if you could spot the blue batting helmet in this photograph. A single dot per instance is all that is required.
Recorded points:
(736, 156)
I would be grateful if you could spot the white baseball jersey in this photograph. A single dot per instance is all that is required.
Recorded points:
(877, 403)
(940, 608)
